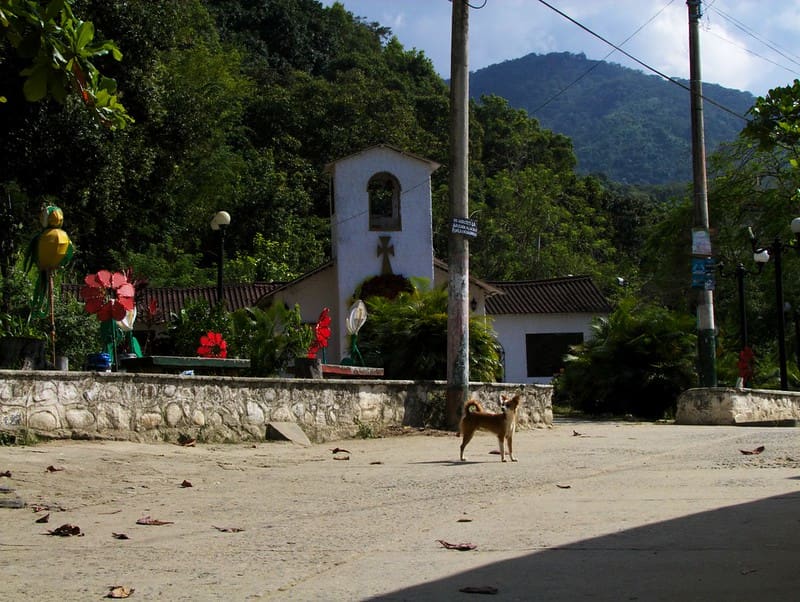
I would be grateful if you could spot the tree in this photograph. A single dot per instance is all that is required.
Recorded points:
(637, 361)
(407, 335)
(60, 51)
(776, 120)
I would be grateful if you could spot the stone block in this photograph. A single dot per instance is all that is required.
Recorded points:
(286, 431)
(43, 421)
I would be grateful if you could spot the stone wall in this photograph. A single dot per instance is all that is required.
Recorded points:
(729, 406)
(155, 407)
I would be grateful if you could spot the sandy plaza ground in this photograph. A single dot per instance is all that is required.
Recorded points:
(592, 511)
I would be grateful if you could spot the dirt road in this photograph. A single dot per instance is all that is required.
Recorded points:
(601, 511)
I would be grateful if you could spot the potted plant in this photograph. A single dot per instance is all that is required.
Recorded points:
(22, 345)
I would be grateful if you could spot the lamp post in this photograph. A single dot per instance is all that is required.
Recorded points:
(740, 272)
(220, 222)
(761, 255)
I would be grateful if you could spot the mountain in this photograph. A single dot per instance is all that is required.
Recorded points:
(633, 127)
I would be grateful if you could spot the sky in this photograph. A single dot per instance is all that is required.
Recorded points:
(751, 45)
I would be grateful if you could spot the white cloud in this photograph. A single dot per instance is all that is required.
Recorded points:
(509, 29)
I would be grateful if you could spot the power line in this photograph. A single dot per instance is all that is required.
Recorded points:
(769, 44)
(597, 64)
(639, 61)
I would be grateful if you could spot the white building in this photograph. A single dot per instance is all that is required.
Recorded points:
(381, 224)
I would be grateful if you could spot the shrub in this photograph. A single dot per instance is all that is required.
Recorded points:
(271, 338)
(407, 335)
(195, 319)
(639, 359)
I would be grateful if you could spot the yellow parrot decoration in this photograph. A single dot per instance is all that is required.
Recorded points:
(49, 250)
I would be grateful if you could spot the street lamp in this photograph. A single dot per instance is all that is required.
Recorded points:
(220, 221)
(762, 255)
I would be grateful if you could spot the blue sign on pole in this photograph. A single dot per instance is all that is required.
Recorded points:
(703, 269)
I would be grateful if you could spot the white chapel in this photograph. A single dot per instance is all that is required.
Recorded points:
(381, 224)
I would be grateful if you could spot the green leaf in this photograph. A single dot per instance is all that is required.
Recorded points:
(35, 87)
(85, 35)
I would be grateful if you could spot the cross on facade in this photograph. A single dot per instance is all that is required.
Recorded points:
(385, 249)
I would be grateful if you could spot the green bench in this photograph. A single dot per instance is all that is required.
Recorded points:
(173, 364)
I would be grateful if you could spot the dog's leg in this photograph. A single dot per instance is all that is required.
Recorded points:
(502, 449)
(467, 437)
(511, 448)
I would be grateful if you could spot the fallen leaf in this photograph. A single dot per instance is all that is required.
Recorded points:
(43, 519)
(119, 536)
(6, 473)
(339, 450)
(119, 591)
(146, 520)
(463, 547)
(186, 484)
(376, 462)
(563, 486)
(52, 468)
(66, 530)
(40, 507)
(186, 440)
(464, 520)
(341, 457)
(229, 529)
(576, 434)
(752, 452)
(483, 589)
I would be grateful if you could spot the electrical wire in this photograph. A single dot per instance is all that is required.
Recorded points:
(756, 36)
(598, 63)
(639, 61)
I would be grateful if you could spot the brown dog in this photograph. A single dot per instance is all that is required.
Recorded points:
(503, 424)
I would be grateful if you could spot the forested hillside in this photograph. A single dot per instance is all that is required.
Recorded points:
(628, 125)
(238, 105)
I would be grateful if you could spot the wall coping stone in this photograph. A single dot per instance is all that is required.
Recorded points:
(166, 407)
(735, 406)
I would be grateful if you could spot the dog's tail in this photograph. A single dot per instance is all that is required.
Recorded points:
(472, 405)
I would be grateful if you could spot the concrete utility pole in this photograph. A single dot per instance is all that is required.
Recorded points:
(458, 245)
(706, 335)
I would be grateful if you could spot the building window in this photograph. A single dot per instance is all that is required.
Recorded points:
(544, 353)
(384, 202)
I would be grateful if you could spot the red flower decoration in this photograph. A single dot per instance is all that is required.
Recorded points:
(212, 345)
(746, 364)
(108, 295)
(322, 332)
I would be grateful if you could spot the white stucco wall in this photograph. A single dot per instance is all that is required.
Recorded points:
(313, 294)
(511, 331)
(355, 246)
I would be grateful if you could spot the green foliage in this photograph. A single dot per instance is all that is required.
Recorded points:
(637, 361)
(776, 119)
(60, 51)
(407, 335)
(196, 319)
(164, 265)
(77, 332)
(630, 126)
(271, 338)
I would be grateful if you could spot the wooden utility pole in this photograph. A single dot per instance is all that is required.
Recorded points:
(458, 245)
(706, 335)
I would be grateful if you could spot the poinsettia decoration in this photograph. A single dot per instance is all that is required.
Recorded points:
(108, 295)
(212, 345)
(746, 364)
(322, 332)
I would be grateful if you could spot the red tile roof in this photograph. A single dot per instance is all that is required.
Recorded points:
(572, 294)
(172, 299)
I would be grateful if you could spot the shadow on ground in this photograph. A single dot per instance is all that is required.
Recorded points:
(744, 552)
